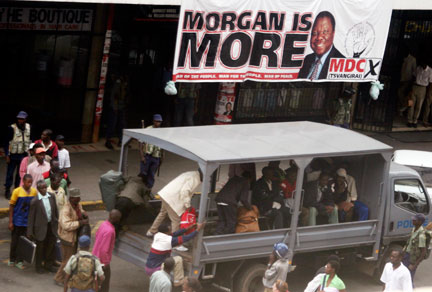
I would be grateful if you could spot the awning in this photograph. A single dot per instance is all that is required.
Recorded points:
(397, 4)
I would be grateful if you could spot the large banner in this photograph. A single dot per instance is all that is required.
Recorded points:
(279, 40)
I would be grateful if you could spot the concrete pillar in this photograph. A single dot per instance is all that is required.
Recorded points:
(95, 59)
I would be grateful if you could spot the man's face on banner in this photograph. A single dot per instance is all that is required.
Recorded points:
(322, 36)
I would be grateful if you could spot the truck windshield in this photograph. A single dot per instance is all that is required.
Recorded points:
(410, 195)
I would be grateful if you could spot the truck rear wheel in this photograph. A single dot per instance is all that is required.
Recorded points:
(250, 279)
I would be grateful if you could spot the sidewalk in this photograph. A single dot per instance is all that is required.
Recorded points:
(90, 161)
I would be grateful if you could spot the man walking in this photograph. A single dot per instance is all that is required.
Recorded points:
(19, 207)
(42, 226)
(104, 245)
(71, 218)
(37, 168)
(17, 142)
(160, 281)
(415, 248)
(83, 269)
(176, 197)
(396, 277)
(151, 156)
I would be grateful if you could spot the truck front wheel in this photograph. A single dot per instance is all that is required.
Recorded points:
(250, 280)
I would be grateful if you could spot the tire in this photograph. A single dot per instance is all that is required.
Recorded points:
(383, 261)
(250, 280)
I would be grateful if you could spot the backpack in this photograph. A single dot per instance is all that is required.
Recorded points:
(84, 273)
(188, 218)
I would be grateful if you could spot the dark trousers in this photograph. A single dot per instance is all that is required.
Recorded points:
(106, 283)
(184, 111)
(149, 169)
(45, 250)
(15, 235)
(406, 261)
(280, 217)
(13, 170)
(227, 219)
(116, 121)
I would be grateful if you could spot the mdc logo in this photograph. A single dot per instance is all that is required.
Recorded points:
(341, 68)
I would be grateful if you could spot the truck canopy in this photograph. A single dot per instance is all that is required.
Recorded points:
(229, 144)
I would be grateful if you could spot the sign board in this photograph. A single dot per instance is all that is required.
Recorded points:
(60, 19)
(305, 40)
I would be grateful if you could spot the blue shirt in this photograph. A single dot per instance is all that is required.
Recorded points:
(46, 203)
(323, 60)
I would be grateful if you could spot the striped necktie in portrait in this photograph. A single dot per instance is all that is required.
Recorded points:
(315, 70)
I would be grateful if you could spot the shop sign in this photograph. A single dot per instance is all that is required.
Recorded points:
(21, 18)
(317, 40)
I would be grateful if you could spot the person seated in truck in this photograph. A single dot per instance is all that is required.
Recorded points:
(342, 198)
(163, 242)
(318, 165)
(319, 200)
(288, 186)
(235, 190)
(360, 210)
(266, 195)
(279, 174)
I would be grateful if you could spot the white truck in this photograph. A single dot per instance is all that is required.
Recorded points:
(236, 262)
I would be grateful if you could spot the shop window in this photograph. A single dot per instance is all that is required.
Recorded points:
(410, 195)
(284, 101)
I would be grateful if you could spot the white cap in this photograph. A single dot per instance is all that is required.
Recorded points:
(30, 146)
(341, 172)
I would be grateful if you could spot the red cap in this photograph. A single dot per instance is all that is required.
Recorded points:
(40, 150)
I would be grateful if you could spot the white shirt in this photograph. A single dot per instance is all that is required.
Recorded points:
(46, 204)
(423, 76)
(178, 192)
(396, 280)
(64, 160)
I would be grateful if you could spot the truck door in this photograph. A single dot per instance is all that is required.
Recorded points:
(409, 198)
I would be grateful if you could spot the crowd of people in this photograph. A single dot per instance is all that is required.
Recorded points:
(47, 211)
(330, 195)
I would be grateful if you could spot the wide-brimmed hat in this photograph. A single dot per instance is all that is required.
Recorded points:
(74, 193)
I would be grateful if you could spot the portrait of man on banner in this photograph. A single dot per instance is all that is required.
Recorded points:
(316, 64)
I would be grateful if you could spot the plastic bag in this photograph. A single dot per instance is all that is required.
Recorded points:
(170, 88)
(375, 89)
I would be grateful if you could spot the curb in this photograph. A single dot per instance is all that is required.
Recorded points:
(87, 206)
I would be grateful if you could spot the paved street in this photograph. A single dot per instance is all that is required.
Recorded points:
(88, 166)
